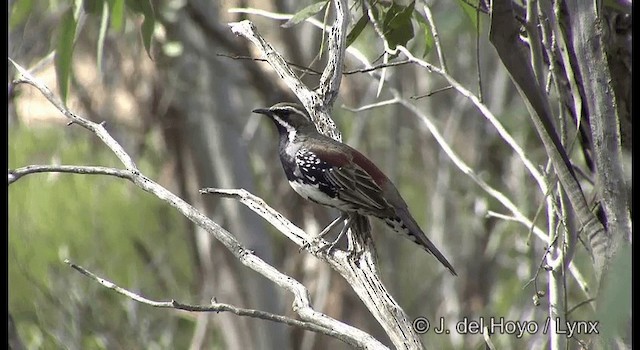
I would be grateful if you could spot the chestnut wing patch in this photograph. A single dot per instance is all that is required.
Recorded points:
(355, 178)
(358, 188)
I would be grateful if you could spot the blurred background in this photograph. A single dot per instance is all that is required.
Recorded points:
(181, 106)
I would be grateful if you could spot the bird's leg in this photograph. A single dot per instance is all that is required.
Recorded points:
(333, 224)
(351, 248)
(336, 221)
(345, 228)
(356, 242)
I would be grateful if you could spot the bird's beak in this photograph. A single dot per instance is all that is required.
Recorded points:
(264, 111)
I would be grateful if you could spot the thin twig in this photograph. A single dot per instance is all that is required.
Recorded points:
(295, 65)
(213, 307)
(484, 110)
(16, 174)
(315, 72)
(377, 67)
(580, 304)
(478, 54)
(431, 93)
(436, 38)
(97, 129)
(371, 106)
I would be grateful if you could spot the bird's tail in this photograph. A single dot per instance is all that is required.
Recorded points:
(408, 227)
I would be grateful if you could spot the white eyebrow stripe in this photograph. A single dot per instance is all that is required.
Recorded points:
(292, 109)
(291, 131)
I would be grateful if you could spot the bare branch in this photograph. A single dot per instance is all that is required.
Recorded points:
(213, 307)
(387, 48)
(17, 174)
(587, 38)
(332, 75)
(436, 38)
(293, 232)
(466, 169)
(307, 70)
(312, 71)
(359, 271)
(377, 67)
(97, 129)
(487, 114)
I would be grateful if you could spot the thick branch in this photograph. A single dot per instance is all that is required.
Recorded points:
(586, 37)
(360, 272)
(331, 77)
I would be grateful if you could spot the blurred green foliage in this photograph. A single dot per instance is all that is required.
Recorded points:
(103, 223)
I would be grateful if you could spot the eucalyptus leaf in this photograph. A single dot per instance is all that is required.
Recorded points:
(93, 7)
(64, 52)
(305, 13)
(20, 10)
(357, 29)
(396, 25)
(470, 7)
(145, 8)
(428, 35)
(117, 14)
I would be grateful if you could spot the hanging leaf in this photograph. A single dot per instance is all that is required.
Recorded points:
(469, 7)
(19, 12)
(104, 26)
(305, 13)
(117, 14)
(357, 29)
(64, 52)
(92, 7)
(428, 35)
(145, 8)
(396, 25)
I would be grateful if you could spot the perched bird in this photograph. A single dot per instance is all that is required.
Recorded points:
(333, 174)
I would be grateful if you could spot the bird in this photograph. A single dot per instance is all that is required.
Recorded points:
(334, 174)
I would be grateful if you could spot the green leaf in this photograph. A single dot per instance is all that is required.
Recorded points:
(428, 35)
(305, 13)
(145, 8)
(20, 10)
(117, 14)
(396, 25)
(64, 52)
(104, 26)
(356, 30)
(469, 7)
(92, 7)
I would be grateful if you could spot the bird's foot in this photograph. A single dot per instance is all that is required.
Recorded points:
(317, 244)
(307, 244)
(313, 245)
(329, 246)
(354, 253)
